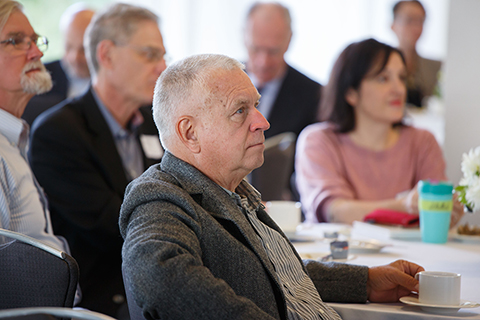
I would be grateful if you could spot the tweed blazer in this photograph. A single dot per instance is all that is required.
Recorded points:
(191, 253)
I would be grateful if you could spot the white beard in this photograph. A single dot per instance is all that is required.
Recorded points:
(37, 82)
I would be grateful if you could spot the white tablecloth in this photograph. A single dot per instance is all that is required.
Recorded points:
(454, 256)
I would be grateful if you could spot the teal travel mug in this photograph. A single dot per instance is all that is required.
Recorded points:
(435, 205)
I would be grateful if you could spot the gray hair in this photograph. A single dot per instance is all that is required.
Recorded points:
(6, 9)
(182, 82)
(284, 10)
(117, 23)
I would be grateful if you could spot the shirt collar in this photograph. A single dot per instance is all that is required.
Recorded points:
(272, 83)
(115, 127)
(12, 127)
(246, 190)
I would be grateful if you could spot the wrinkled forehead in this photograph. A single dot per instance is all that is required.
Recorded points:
(223, 84)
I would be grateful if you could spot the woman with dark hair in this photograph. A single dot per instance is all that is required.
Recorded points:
(362, 157)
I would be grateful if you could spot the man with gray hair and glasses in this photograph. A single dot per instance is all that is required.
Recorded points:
(23, 206)
(85, 151)
(198, 241)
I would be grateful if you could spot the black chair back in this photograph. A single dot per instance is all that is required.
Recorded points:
(272, 179)
(33, 274)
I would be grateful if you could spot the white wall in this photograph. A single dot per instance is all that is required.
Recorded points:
(322, 28)
(462, 84)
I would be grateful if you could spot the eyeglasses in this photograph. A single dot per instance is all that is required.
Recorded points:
(150, 54)
(410, 21)
(23, 42)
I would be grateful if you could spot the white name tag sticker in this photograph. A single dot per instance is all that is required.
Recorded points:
(151, 146)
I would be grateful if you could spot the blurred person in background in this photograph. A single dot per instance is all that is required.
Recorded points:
(289, 98)
(70, 75)
(422, 74)
(363, 157)
(86, 150)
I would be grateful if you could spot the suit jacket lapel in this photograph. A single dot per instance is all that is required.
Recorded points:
(103, 144)
(216, 201)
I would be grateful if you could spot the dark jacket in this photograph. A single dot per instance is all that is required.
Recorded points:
(296, 105)
(75, 159)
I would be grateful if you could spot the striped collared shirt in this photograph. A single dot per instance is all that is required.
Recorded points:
(302, 298)
(23, 206)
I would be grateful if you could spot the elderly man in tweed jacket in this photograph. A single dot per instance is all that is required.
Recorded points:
(198, 242)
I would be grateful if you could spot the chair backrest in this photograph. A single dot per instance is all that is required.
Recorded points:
(52, 312)
(272, 179)
(34, 274)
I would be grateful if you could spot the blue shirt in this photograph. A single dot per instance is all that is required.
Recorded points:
(126, 142)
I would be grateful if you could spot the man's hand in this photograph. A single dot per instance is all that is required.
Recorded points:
(393, 281)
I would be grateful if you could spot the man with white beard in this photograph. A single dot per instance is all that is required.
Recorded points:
(23, 206)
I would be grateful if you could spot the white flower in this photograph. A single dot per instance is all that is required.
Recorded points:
(473, 192)
(468, 190)
(471, 164)
(464, 182)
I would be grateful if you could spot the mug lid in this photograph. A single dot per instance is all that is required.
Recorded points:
(439, 187)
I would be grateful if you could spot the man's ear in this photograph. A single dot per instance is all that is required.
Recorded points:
(352, 97)
(186, 131)
(104, 53)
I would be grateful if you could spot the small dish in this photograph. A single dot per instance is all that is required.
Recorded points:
(365, 246)
(465, 237)
(440, 309)
(313, 255)
(323, 256)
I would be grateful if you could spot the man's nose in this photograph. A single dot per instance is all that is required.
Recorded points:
(34, 53)
(259, 122)
(161, 66)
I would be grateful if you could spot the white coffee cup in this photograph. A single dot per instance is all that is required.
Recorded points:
(286, 214)
(439, 288)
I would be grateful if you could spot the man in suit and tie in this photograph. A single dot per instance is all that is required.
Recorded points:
(85, 151)
(289, 98)
(70, 75)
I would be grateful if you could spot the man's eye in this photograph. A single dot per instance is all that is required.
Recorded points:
(16, 40)
(150, 55)
(153, 55)
(240, 111)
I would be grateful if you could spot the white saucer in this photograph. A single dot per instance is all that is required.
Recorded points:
(319, 255)
(365, 246)
(442, 309)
